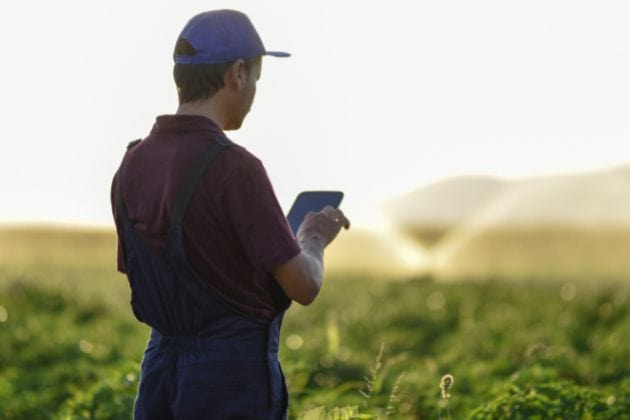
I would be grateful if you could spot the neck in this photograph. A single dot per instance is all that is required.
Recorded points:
(207, 108)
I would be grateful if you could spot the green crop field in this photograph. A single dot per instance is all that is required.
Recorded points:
(367, 348)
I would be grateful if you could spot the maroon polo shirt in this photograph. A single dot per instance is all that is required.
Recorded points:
(235, 232)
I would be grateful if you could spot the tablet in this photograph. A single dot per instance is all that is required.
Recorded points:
(308, 201)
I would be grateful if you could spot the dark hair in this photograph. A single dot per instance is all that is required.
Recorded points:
(199, 81)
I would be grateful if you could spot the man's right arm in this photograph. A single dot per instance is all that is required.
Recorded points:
(301, 277)
(296, 262)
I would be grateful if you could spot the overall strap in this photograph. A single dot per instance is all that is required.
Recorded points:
(197, 171)
(121, 208)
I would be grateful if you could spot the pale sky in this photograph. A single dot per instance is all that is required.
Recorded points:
(379, 97)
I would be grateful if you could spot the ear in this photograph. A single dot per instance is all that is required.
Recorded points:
(236, 76)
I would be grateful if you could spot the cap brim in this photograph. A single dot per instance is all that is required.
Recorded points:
(277, 54)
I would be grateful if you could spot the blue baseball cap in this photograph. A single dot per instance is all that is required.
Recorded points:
(222, 36)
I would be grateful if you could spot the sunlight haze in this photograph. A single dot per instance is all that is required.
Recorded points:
(379, 98)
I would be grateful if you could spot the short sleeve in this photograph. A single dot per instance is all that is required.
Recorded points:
(257, 217)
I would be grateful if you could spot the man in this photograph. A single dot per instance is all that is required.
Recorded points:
(210, 259)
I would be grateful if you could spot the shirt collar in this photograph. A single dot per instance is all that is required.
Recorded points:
(183, 123)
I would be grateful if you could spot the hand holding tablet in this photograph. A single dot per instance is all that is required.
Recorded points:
(315, 201)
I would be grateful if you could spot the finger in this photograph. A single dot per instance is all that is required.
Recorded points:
(339, 218)
(330, 211)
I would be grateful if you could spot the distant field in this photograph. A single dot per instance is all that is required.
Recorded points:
(534, 252)
(70, 348)
(75, 261)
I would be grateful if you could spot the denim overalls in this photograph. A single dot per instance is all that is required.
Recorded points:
(204, 360)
